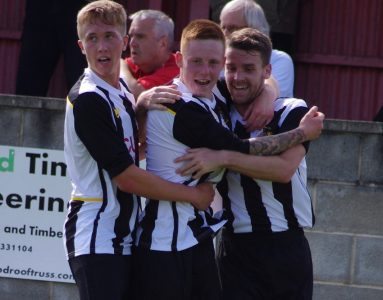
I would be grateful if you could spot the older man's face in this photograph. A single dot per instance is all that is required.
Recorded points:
(144, 42)
(232, 21)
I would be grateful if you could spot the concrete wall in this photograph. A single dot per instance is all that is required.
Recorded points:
(346, 182)
(345, 179)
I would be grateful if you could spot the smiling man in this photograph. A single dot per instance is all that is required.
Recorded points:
(151, 61)
(237, 14)
(177, 236)
(263, 253)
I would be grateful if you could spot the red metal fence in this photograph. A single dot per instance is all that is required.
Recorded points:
(338, 55)
(11, 21)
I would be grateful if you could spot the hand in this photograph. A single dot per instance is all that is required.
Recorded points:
(156, 96)
(261, 111)
(312, 123)
(206, 196)
(199, 161)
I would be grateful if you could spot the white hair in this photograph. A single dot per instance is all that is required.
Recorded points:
(252, 13)
(164, 25)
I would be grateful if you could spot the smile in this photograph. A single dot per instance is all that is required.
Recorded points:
(239, 87)
(202, 82)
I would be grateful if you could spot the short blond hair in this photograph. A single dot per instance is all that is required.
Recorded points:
(106, 11)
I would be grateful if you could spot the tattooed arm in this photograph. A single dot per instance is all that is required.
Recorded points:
(277, 168)
(309, 128)
(275, 144)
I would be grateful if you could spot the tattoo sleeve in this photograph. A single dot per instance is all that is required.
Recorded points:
(275, 144)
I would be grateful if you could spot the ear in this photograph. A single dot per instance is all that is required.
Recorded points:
(179, 59)
(79, 43)
(267, 71)
(164, 42)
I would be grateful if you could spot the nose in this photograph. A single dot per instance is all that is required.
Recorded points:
(237, 75)
(102, 45)
(205, 68)
(132, 41)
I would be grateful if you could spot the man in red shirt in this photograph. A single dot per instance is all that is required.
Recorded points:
(151, 61)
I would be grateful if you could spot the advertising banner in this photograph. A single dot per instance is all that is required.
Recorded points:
(34, 191)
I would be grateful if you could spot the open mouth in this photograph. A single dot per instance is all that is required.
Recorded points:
(239, 87)
(103, 59)
(202, 82)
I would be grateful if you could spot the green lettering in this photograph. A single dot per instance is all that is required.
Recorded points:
(7, 163)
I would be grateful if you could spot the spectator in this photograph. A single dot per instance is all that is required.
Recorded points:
(49, 31)
(238, 14)
(282, 16)
(151, 62)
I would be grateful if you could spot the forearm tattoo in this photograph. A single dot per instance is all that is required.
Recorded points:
(275, 144)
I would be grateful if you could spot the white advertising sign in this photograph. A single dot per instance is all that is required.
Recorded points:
(34, 190)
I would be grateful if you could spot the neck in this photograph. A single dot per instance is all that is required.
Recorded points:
(114, 81)
(241, 108)
(210, 97)
(158, 63)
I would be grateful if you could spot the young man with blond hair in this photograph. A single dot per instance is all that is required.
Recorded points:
(101, 152)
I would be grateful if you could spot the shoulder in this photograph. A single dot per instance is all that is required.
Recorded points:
(289, 103)
(278, 54)
(280, 57)
(83, 91)
(88, 101)
(185, 104)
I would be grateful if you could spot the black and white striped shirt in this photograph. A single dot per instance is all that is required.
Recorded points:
(189, 123)
(263, 206)
(100, 141)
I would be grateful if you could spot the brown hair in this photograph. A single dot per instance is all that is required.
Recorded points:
(249, 40)
(201, 29)
(106, 11)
